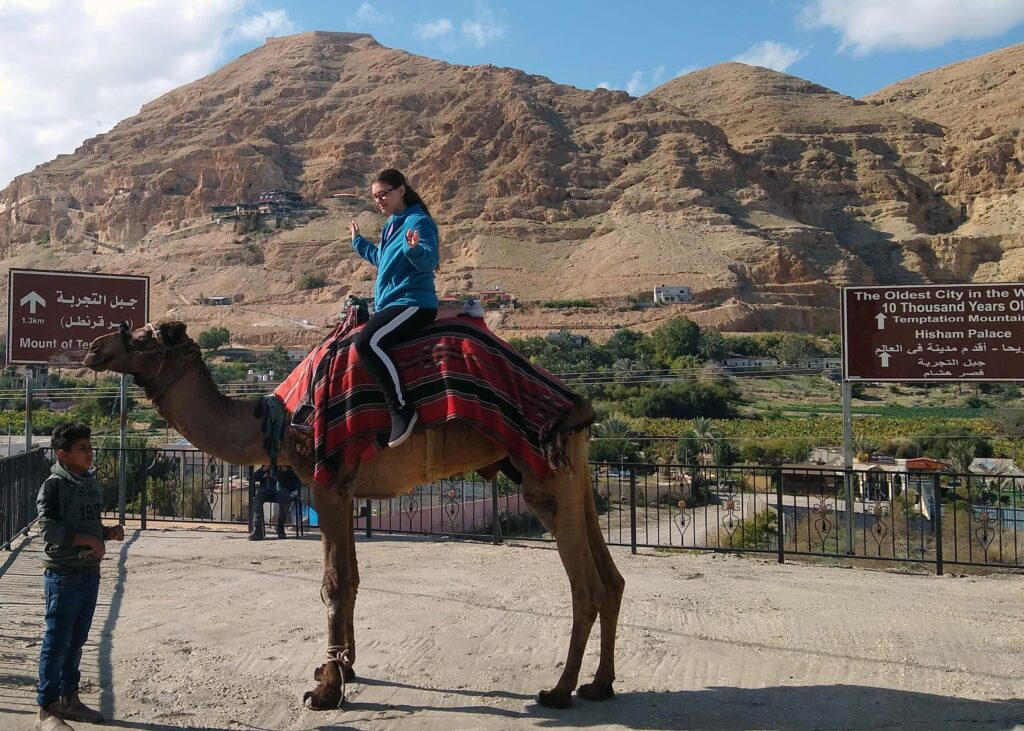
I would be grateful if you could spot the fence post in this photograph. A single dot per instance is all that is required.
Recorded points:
(251, 492)
(496, 525)
(8, 528)
(937, 524)
(632, 510)
(850, 506)
(122, 468)
(143, 497)
(30, 373)
(369, 517)
(781, 516)
(144, 483)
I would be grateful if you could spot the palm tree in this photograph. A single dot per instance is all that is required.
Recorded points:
(613, 439)
(705, 434)
(711, 345)
(614, 426)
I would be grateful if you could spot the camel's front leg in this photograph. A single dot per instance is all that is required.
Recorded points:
(341, 581)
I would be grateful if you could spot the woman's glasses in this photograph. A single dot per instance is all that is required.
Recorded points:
(382, 194)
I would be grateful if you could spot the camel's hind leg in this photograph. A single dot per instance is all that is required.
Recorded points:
(601, 687)
(560, 504)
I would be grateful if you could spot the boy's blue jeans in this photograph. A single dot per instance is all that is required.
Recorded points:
(70, 603)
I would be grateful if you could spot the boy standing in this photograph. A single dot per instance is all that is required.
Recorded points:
(69, 505)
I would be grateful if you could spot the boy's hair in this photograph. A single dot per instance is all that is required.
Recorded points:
(64, 435)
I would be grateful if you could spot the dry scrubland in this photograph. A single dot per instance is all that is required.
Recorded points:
(204, 630)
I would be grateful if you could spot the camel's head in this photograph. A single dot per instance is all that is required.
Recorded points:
(141, 353)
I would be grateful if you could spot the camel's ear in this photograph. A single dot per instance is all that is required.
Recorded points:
(172, 332)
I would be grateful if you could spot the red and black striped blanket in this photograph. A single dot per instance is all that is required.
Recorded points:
(455, 368)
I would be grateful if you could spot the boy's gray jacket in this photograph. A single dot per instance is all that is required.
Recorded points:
(69, 504)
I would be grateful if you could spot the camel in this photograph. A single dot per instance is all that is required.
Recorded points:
(166, 362)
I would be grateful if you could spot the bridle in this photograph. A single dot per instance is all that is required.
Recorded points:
(153, 393)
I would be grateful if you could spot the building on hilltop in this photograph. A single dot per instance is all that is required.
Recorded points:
(279, 195)
(495, 297)
(672, 295)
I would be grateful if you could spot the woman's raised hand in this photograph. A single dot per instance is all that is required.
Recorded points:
(353, 229)
(412, 238)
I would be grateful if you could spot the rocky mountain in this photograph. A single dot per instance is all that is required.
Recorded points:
(761, 191)
(978, 104)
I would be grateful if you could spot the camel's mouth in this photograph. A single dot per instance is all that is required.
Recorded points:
(95, 360)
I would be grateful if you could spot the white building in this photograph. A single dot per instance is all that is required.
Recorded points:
(672, 294)
(749, 362)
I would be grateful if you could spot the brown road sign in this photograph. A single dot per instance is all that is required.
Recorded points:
(934, 332)
(53, 316)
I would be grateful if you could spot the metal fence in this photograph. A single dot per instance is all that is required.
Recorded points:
(20, 478)
(882, 514)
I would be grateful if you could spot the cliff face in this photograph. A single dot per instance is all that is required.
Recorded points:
(760, 190)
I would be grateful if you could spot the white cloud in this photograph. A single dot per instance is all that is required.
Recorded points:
(635, 86)
(479, 31)
(71, 72)
(369, 15)
(771, 55)
(873, 25)
(435, 29)
(268, 23)
(483, 28)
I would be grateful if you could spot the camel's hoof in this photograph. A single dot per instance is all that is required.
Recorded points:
(317, 702)
(595, 692)
(553, 699)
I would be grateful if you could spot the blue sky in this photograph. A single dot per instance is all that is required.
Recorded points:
(70, 69)
(589, 43)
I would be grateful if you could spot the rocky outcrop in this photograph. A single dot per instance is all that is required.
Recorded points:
(763, 192)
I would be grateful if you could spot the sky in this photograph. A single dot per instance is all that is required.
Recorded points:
(70, 69)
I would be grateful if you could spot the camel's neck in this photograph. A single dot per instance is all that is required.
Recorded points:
(226, 428)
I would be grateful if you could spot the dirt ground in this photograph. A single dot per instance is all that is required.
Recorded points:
(205, 630)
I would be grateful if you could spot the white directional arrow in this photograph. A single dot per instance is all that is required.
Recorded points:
(881, 321)
(32, 299)
(885, 359)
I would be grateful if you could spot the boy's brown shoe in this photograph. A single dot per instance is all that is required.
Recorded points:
(49, 719)
(73, 709)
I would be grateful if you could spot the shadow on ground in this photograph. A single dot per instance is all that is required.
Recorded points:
(779, 708)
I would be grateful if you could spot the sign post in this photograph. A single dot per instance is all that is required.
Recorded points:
(929, 333)
(848, 462)
(28, 407)
(53, 317)
(122, 471)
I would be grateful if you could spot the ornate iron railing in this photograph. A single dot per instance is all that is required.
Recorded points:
(20, 478)
(882, 514)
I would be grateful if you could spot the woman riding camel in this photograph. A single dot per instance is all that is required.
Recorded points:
(404, 296)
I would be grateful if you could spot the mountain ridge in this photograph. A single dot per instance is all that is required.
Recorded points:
(763, 191)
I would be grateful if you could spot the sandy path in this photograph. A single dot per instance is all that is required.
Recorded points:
(206, 630)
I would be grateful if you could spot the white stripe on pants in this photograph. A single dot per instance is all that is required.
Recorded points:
(375, 339)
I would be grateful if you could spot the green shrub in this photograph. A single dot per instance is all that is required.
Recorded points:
(757, 533)
(312, 280)
(213, 338)
(557, 304)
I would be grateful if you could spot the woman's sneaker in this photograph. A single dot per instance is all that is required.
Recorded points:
(402, 423)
